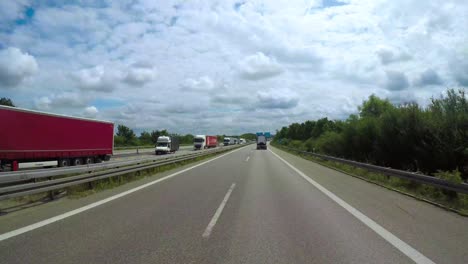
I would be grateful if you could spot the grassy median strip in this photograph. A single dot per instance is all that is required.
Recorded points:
(85, 189)
(456, 202)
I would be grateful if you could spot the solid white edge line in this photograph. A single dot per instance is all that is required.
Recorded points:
(218, 212)
(42, 223)
(406, 249)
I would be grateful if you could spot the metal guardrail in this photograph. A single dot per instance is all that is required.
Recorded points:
(144, 147)
(18, 176)
(134, 147)
(421, 178)
(142, 151)
(90, 174)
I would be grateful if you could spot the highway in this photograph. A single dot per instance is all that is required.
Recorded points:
(245, 206)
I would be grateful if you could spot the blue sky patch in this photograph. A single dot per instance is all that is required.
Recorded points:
(104, 103)
(330, 3)
(28, 15)
(173, 21)
(238, 5)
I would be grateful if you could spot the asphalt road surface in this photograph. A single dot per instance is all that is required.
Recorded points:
(247, 206)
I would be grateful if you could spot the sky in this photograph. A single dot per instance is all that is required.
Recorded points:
(228, 67)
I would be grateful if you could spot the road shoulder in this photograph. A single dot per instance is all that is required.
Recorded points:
(422, 225)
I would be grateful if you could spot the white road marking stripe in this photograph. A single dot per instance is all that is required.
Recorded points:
(213, 221)
(247, 159)
(406, 249)
(42, 223)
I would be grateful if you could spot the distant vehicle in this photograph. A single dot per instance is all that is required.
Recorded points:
(211, 141)
(226, 141)
(204, 142)
(236, 141)
(229, 141)
(242, 141)
(166, 144)
(199, 142)
(261, 142)
(31, 138)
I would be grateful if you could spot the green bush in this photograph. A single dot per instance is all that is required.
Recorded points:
(407, 137)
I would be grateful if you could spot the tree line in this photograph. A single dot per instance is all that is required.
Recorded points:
(125, 136)
(407, 136)
(6, 101)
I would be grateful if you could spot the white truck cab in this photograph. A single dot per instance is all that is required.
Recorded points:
(199, 142)
(166, 144)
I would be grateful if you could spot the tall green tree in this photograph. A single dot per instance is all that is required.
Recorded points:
(374, 107)
(156, 133)
(127, 134)
(6, 101)
(145, 138)
(249, 136)
(186, 139)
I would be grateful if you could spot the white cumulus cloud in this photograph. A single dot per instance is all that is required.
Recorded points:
(389, 55)
(90, 111)
(396, 80)
(277, 99)
(67, 100)
(97, 78)
(259, 66)
(15, 66)
(203, 83)
(138, 76)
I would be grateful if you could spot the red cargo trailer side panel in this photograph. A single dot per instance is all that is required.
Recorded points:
(26, 134)
(211, 141)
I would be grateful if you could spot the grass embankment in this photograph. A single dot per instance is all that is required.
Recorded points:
(453, 201)
(86, 189)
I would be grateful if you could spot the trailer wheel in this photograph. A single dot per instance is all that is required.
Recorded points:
(76, 162)
(63, 162)
(88, 160)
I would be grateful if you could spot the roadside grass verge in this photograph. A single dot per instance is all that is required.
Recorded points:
(456, 202)
(85, 189)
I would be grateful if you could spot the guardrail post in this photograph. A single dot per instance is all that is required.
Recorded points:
(51, 193)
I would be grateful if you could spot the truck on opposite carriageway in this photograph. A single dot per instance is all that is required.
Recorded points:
(166, 145)
(204, 142)
(229, 141)
(34, 138)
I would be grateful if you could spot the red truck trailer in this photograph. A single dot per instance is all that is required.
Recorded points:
(31, 136)
(211, 141)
